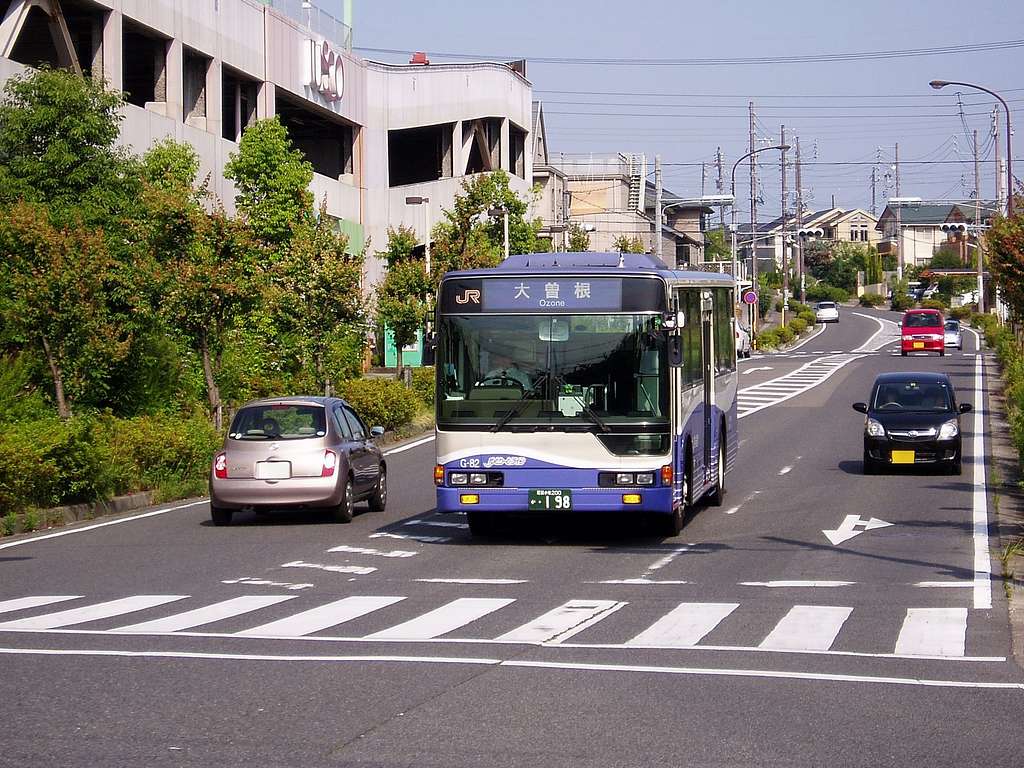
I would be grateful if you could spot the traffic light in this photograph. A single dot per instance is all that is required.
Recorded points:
(956, 229)
(807, 234)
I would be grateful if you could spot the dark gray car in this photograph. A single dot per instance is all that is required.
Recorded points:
(298, 452)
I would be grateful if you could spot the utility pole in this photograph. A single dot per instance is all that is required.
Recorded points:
(1000, 171)
(753, 219)
(874, 187)
(785, 245)
(899, 231)
(799, 226)
(720, 188)
(977, 225)
(703, 177)
(657, 206)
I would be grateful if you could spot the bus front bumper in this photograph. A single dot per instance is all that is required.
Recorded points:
(468, 499)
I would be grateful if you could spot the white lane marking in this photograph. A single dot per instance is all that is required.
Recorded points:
(321, 617)
(853, 525)
(812, 627)
(796, 583)
(437, 523)
(412, 537)
(475, 661)
(410, 446)
(356, 569)
(208, 614)
(20, 603)
(762, 368)
(94, 526)
(785, 470)
(982, 558)
(816, 334)
(933, 632)
(641, 582)
(958, 584)
(441, 621)
(732, 510)
(826, 368)
(474, 581)
(659, 564)
(684, 625)
(399, 553)
(883, 325)
(91, 612)
(562, 622)
(251, 582)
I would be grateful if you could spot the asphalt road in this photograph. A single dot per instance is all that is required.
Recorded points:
(750, 639)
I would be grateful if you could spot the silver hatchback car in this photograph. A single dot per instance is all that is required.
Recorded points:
(952, 335)
(305, 452)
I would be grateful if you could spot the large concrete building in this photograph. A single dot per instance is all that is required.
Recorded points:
(202, 70)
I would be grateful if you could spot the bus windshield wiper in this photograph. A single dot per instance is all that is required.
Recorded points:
(517, 409)
(584, 405)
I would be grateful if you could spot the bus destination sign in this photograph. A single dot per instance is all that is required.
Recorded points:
(551, 294)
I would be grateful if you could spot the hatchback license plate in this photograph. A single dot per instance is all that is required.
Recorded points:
(273, 470)
(902, 457)
(550, 499)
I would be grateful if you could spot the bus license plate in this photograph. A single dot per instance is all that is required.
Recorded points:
(550, 499)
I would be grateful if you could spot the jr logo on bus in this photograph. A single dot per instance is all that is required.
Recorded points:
(469, 296)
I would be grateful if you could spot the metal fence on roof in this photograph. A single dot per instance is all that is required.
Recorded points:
(316, 20)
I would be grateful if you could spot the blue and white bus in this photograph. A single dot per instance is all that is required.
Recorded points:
(584, 383)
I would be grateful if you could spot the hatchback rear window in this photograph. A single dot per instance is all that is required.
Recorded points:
(826, 305)
(921, 320)
(279, 422)
(952, 325)
(912, 395)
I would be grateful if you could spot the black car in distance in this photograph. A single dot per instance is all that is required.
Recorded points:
(912, 419)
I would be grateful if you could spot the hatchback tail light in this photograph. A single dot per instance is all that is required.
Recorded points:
(330, 463)
(220, 466)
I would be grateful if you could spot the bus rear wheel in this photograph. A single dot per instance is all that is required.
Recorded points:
(717, 494)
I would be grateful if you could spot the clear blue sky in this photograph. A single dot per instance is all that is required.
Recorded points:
(685, 112)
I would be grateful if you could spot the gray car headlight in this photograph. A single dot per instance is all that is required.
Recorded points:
(949, 430)
(874, 428)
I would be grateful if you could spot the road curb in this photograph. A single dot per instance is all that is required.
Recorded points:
(1006, 499)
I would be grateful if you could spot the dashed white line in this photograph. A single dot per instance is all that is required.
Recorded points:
(399, 553)
(474, 581)
(359, 570)
(796, 583)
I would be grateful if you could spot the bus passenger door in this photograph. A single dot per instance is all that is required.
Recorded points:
(708, 367)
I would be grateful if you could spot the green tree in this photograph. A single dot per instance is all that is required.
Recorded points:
(318, 295)
(403, 296)
(468, 237)
(1005, 253)
(627, 244)
(172, 166)
(817, 258)
(579, 238)
(272, 179)
(55, 299)
(58, 134)
(717, 246)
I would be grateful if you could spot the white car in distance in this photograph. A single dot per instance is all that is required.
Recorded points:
(826, 312)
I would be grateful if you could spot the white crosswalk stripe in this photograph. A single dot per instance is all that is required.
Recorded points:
(933, 632)
(443, 620)
(321, 618)
(684, 625)
(809, 375)
(95, 612)
(226, 609)
(563, 622)
(807, 628)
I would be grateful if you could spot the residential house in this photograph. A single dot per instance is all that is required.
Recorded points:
(919, 231)
(551, 202)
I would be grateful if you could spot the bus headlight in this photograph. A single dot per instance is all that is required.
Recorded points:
(645, 478)
(624, 478)
(478, 478)
(458, 478)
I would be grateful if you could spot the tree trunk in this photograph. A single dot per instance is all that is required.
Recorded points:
(63, 409)
(398, 359)
(212, 392)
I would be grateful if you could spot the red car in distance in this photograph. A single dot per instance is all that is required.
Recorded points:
(922, 330)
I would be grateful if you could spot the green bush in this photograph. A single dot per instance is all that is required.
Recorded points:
(767, 339)
(799, 309)
(778, 305)
(423, 384)
(901, 302)
(825, 292)
(786, 334)
(383, 402)
(871, 300)
(797, 325)
(933, 303)
(962, 313)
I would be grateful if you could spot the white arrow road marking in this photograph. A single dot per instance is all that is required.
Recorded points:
(763, 368)
(851, 526)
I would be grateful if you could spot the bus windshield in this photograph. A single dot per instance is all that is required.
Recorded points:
(573, 372)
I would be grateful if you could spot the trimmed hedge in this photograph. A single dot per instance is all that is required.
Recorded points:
(383, 402)
(901, 302)
(963, 313)
(871, 300)
(824, 292)
(423, 384)
(933, 304)
(49, 462)
(1011, 359)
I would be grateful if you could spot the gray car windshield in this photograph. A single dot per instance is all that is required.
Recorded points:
(278, 422)
(912, 396)
(593, 370)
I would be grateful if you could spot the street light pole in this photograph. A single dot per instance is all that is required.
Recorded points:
(753, 242)
(939, 84)
(425, 202)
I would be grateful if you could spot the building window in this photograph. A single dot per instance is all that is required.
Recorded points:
(682, 255)
(144, 65)
(484, 139)
(238, 103)
(417, 155)
(517, 151)
(325, 139)
(194, 68)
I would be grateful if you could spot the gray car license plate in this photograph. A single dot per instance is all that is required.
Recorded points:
(550, 499)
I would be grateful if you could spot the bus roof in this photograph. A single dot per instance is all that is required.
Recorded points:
(617, 264)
